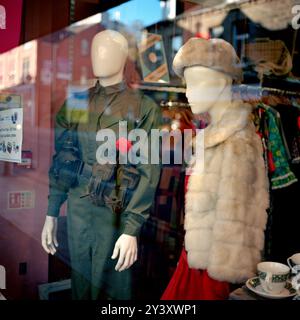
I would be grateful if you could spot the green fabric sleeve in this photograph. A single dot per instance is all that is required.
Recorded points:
(57, 195)
(282, 176)
(139, 206)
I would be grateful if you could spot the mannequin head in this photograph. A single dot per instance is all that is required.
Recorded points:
(109, 53)
(207, 90)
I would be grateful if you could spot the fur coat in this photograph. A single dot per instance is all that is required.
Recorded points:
(225, 207)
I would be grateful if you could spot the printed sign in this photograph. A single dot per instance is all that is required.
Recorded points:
(153, 59)
(11, 128)
(26, 161)
(21, 200)
(2, 278)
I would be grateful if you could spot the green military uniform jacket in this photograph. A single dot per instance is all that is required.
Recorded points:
(106, 107)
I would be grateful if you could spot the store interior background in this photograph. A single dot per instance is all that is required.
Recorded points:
(54, 54)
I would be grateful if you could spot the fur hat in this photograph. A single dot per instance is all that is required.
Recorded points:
(214, 53)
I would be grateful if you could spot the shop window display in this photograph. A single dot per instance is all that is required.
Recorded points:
(75, 227)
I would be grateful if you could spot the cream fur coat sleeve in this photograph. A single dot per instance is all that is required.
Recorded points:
(225, 208)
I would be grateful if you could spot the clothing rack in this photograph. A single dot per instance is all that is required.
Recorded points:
(160, 87)
(246, 92)
(251, 91)
(243, 89)
(174, 104)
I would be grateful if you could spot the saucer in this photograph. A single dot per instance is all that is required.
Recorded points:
(254, 285)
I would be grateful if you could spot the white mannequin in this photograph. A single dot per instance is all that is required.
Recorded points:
(109, 53)
(222, 222)
(208, 90)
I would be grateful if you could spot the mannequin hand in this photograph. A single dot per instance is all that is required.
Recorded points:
(49, 240)
(126, 249)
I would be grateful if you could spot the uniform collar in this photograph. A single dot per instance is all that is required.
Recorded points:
(118, 87)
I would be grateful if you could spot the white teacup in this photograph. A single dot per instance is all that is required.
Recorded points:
(273, 276)
(294, 260)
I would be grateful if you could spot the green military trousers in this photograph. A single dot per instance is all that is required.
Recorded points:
(92, 233)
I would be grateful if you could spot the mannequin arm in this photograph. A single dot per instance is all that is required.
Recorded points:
(49, 233)
(126, 249)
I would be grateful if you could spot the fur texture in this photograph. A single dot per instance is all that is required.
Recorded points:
(216, 54)
(226, 203)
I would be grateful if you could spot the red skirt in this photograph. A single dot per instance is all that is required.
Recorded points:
(194, 284)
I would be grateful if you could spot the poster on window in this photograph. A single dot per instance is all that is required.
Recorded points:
(77, 103)
(153, 59)
(11, 128)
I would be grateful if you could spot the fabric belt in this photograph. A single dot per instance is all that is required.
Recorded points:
(85, 173)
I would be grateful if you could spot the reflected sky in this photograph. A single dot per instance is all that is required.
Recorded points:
(147, 12)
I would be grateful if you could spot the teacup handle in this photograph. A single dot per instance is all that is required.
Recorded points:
(268, 281)
(289, 262)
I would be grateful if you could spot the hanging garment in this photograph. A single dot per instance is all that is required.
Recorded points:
(277, 131)
(276, 155)
(291, 122)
